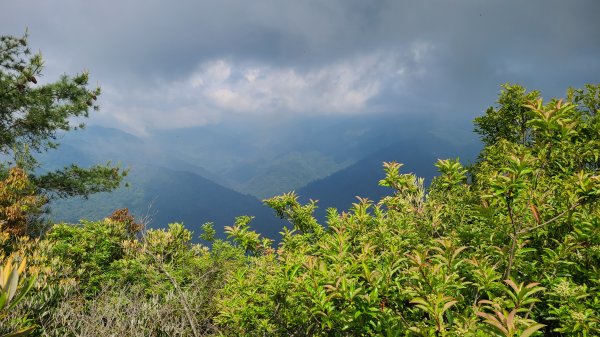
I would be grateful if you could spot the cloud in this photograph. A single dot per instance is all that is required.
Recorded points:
(341, 87)
(171, 64)
(224, 88)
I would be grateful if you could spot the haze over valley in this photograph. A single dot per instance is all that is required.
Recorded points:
(187, 175)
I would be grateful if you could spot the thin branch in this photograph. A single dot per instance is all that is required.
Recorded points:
(575, 205)
(182, 297)
(513, 243)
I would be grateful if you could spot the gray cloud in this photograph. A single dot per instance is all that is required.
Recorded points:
(309, 57)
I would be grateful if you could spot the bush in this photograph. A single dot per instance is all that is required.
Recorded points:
(507, 247)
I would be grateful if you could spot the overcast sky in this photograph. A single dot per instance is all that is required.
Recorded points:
(170, 64)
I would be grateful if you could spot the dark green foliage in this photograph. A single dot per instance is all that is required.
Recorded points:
(508, 120)
(76, 181)
(32, 115)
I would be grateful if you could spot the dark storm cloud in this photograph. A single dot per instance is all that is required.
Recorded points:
(197, 60)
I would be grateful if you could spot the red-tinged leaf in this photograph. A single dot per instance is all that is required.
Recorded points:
(535, 213)
(485, 315)
(510, 320)
(493, 321)
(512, 284)
(448, 305)
(458, 251)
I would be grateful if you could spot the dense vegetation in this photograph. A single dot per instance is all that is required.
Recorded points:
(31, 117)
(509, 246)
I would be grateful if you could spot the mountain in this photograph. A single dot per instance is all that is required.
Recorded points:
(162, 196)
(290, 171)
(418, 155)
(261, 159)
(96, 144)
(162, 187)
(216, 172)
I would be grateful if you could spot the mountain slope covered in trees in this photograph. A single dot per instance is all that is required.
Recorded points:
(340, 189)
(238, 163)
(161, 196)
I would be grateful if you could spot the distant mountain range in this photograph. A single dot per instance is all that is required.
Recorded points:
(361, 179)
(217, 172)
(160, 196)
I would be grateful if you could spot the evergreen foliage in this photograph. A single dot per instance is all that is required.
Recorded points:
(33, 114)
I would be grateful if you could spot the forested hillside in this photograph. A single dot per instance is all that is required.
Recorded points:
(160, 196)
(311, 163)
(340, 189)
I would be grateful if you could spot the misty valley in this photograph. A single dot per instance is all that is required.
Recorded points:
(213, 174)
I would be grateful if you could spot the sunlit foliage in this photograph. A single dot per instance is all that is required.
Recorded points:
(508, 246)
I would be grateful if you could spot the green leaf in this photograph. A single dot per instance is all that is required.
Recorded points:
(531, 330)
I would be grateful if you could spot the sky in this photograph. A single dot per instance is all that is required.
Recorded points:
(175, 64)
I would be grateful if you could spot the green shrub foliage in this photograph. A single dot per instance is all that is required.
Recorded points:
(508, 246)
